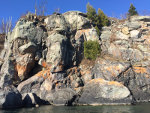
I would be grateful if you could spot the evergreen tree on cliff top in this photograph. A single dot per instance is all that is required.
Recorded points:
(102, 19)
(99, 20)
(132, 11)
(91, 13)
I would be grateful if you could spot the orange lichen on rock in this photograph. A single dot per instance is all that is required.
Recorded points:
(85, 72)
(140, 70)
(81, 32)
(112, 69)
(45, 74)
(44, 64)
(21, 69)
(102, 81)
(115, 83)
(59, 68)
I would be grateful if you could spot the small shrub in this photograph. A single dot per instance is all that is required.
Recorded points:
(91, 49)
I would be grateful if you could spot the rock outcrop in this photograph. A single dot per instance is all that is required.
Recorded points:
(127, 42)
(43, 58)
(99, 91)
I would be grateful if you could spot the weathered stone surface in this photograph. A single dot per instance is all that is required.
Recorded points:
(32, 100)
(61, 97)
(10, 98)
(46, 55)
(137, 80)
(57, 51)
(125, 30)
(26, 30)
(56, 22)
(100, 91)
(45, 84)
(24, 64)
(88, 34)
(135, 34)
(121, 36)
(32, 85)
(140, 18)
(109, 69)
(28, 48)
(8, 73)
(77, 20)
(133, 25)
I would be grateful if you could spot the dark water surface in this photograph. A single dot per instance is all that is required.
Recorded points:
(140, 108)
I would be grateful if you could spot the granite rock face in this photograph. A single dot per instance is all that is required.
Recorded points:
(132, 55)
(44, 58)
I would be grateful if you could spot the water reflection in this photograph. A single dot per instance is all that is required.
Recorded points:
(142, 108)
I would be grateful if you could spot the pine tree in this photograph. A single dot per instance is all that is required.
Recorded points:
(91, 13)
(102, 19)
(99, 20)
(132, 11)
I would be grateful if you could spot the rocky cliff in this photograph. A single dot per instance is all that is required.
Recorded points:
(43, 63)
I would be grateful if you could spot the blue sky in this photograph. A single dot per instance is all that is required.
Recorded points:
(16, 8)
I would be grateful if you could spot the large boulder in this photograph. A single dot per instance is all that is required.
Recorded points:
(100, 91)
(61, 97)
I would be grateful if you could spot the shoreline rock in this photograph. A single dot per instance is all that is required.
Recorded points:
(44, 58)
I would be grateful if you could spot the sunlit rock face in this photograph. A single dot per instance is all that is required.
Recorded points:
(44, 58)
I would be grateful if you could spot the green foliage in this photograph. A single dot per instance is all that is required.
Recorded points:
(102, 18)
(99, 20)
(132, 11)
(91, 49)
(97, 30)
(91, 13)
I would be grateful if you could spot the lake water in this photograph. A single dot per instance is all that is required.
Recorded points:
(140, 108)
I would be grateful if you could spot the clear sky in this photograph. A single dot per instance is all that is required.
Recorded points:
(16, 8)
